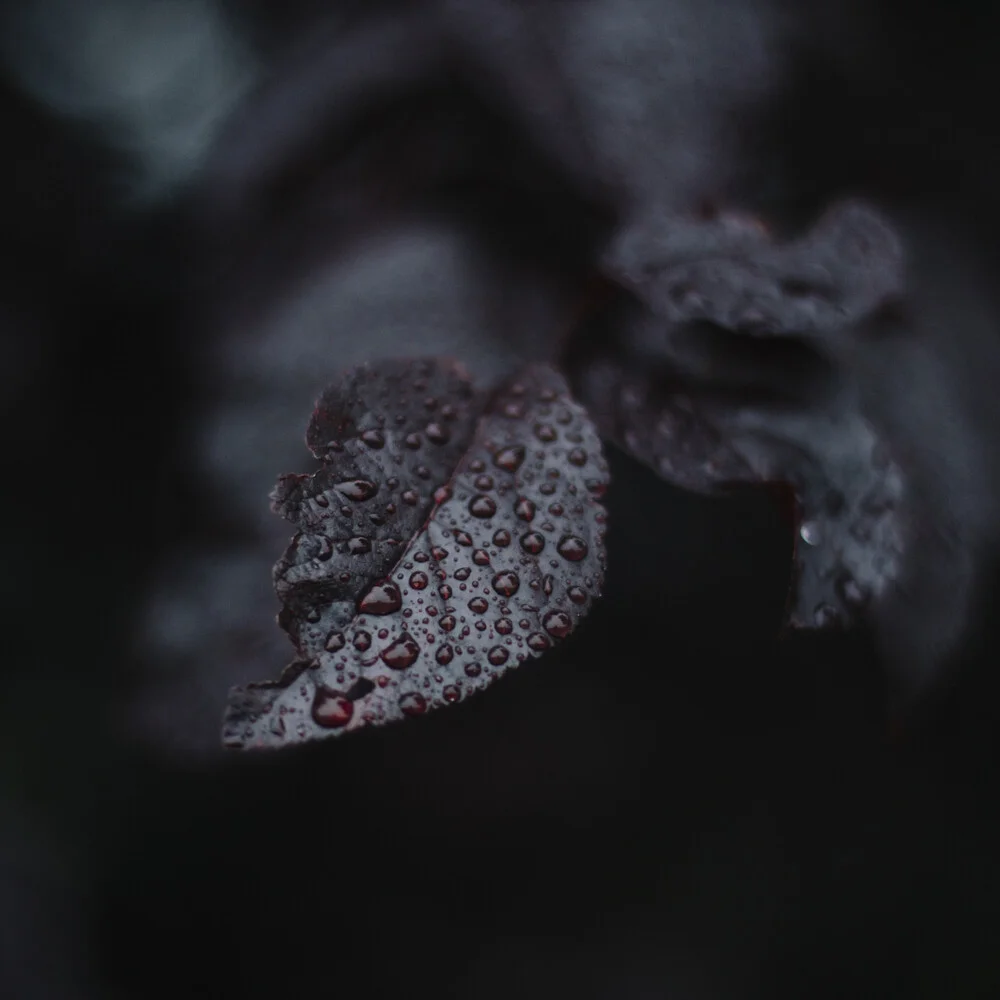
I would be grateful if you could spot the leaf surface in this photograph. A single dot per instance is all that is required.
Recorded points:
(446, 538)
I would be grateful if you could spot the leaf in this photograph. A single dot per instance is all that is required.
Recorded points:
(703, 429)
(445, 539)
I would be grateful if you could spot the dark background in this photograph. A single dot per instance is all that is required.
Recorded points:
(672, 804)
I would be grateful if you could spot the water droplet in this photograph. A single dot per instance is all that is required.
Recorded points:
(444, 655)
(547, 395)
(322, 500)
(422, 471)
(413, 703)
(410, 497)
(547, 584)
(545, 433)
(501, 538)
(382, 599)
(402, 653)
(497, 656)
(463, 573)
(557, 623)
(359, 545)
(481, 557)
(577, 457)
(447, 623)
(420, 557)
(441, 494)
(483, 483)
(525, 509)
(418, 580)
(572, 548)
(506, 584)
(445, 591)
(451, 694)
(504, 626)
(509, 459)
(532, 542)
(547, 488)
(357, 489)
(473, 670)
(482, 506)
(373, 438)
(412, 441)
(362, 641)
(477, 465)
(437, 434)
(556, 509)
(448, 412)
(479, 605)
(334, 641)
(331, 710)
(313, 616)
(810, 533)
(439, 553)
(463, 538)
(514, 410)
(577, 595)
(537, 642)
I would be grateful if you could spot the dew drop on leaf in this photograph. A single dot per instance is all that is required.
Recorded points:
(357, 489)
(331, 710)
(382, 599)
(557, 623)
(402, 653)
(572, 548)
(482, 506)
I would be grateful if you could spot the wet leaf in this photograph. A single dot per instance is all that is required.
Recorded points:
(486, 548)
(704, 428)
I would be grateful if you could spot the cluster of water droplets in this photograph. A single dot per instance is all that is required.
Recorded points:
(505, 565)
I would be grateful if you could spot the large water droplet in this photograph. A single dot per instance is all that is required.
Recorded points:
(359, 545)
(810, 533)
(525, 509)
(382, 599)
(451, 694)
(444, 655)
(482, 506)
(402, 653)
(463, 573)
(497, 656)
(481, 557)
(463, 538)
(538, 642)
(418, 580)
(334, 641)
(577, 595)
(501, 538)
(447, 623)
(577, 457)
(412, 441)
(373, 438)
(437, 434)
(479, 605)
(331, 710)
(357, 489)
(557, 623)
(504, 626)
(506, 584)
(362, 641)
(532, 542)
(473, 670)
(509, 459)
(545, 433)
(413, 703)
(410, 497)
(572, 548)
(445, 591)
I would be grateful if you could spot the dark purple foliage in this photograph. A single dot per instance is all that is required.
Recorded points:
(446, 538)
